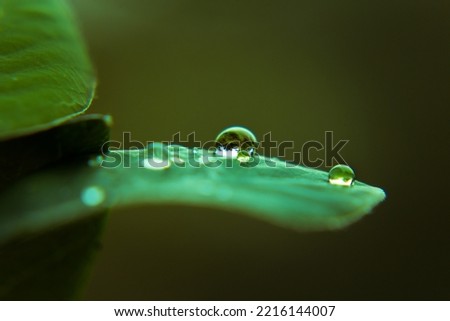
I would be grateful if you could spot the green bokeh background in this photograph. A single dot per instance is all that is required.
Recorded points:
(376, 73)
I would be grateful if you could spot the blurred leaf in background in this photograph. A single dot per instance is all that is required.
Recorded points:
(45, 79)
(46, 76)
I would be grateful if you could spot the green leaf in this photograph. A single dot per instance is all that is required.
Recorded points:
(290, 196)
(45, 74)
(52, 263)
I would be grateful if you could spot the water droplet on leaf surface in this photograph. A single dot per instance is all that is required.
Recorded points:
(341, 175)
(156, 163)
(233, 140)
(158, 157)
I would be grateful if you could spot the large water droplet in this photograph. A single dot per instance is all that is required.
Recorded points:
(341, 175)
(93, 196)
(233, 140)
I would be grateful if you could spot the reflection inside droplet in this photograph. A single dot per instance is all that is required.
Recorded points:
(341, 175)
(93, 196)
(243, 156)
(233, 140)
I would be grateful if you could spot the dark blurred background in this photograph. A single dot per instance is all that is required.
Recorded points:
(376, 73)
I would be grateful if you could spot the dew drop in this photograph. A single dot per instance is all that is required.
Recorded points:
(93, 196)
(156, 163)
(341, 175)
(157, 157)
(233, 140)
(108, 120)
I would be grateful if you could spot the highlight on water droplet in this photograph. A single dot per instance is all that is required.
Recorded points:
(233, 140)
(341, 175)
(93, 196)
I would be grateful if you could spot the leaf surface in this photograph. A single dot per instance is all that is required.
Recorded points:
(45, 73)
(269, 189)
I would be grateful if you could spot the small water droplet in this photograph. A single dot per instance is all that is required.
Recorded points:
(341, 175)
(156, 163)
(233, 140)
(93, 196)
(108, 120)
(157, 157)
